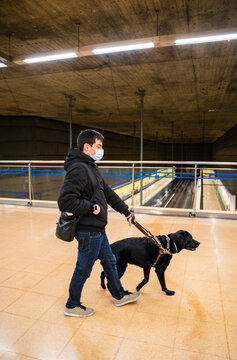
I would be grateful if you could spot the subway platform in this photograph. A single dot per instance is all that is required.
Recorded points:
(198, 322)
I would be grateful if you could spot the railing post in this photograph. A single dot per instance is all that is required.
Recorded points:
(133, 186)
(195, 191)
(142, 93)
(29, 182)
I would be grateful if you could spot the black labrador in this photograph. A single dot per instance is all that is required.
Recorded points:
(141, 251)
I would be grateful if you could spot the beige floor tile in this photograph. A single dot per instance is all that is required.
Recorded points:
(207, 250)
(110, 319)
(190, 323)
(228, 276)
(12, 327)
(152, 329)
(201, 309)
(5, 274)
(92, 294)
(22, 280)
(31, 305)
(55, 316)
(178, 261)
(202, 271)
(201, 337)
(8, 296)
(64, 271)
(8, 355)
(16, 262)
(140, 351)
(223, 243)
(88, 344)
(40, 266)
(205, 289)
(188, 355)
(230, 313)
(52, 286)
(43, 340)
(180, 226)
(159, 303)
(232, 341)
(226, 257)
(229, 292)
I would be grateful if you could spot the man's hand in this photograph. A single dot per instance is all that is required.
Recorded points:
(130, 218)
(96, 209)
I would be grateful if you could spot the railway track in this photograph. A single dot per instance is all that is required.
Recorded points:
(178, 194)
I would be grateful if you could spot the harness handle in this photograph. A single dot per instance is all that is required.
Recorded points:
(148, 234)
(152, 238)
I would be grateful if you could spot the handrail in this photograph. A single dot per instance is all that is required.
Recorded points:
(122, 162)
(31, 164)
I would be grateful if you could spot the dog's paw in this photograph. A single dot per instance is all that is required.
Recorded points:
(169, 292)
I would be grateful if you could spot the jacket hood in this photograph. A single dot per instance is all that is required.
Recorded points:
(76, 155)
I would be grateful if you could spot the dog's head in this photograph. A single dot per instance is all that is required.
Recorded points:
(183, 240)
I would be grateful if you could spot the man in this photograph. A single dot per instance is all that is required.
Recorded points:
(86, 193)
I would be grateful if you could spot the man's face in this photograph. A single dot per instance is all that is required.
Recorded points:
(91, 150)
(97, 145)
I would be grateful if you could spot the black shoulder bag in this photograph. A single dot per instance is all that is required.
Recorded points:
(67, 224)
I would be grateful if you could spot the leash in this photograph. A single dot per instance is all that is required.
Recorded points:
(154, 239)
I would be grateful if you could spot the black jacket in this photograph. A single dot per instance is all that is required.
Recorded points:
(81, 182)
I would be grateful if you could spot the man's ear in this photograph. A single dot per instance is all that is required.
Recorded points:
(86, 148)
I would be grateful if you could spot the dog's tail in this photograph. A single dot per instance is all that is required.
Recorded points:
(102, 280)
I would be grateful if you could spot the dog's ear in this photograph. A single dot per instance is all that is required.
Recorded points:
(185, 233)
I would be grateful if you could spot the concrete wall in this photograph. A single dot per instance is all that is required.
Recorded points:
(225, 148)
(45, 139)
(188, 152)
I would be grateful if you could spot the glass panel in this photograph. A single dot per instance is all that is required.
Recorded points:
(172, 187)
(46, 182)
(163, 186)
(14, 182)
(119, 178)
(219, 189)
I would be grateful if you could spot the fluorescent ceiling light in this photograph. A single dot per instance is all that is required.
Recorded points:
(113, 49)
(2, 65)
(50, 57)
(204, 39)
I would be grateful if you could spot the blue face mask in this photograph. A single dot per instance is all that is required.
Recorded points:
(99, 153)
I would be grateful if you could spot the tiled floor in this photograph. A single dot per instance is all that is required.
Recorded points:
(199, 322)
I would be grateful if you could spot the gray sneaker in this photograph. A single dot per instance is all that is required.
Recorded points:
(78, 311)
(129, 297)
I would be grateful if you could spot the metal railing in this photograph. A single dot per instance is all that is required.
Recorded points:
(147, 173)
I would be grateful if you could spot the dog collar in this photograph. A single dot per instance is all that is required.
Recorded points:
(168, 245)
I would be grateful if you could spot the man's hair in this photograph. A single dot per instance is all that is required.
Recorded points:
(88, 136)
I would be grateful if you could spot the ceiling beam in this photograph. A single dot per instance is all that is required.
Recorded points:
(159, 41)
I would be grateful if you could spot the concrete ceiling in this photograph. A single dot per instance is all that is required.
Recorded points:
(182, 83)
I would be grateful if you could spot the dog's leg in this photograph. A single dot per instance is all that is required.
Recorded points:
(146, 278)
(121, 270)
(160, 271)
(102, 280)
(121, 267)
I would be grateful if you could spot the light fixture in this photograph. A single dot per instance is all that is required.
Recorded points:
(205, 39)
(68, 55)
(129, 47)
(2, 65)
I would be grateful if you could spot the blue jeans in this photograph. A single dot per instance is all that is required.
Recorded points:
(93, 246)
